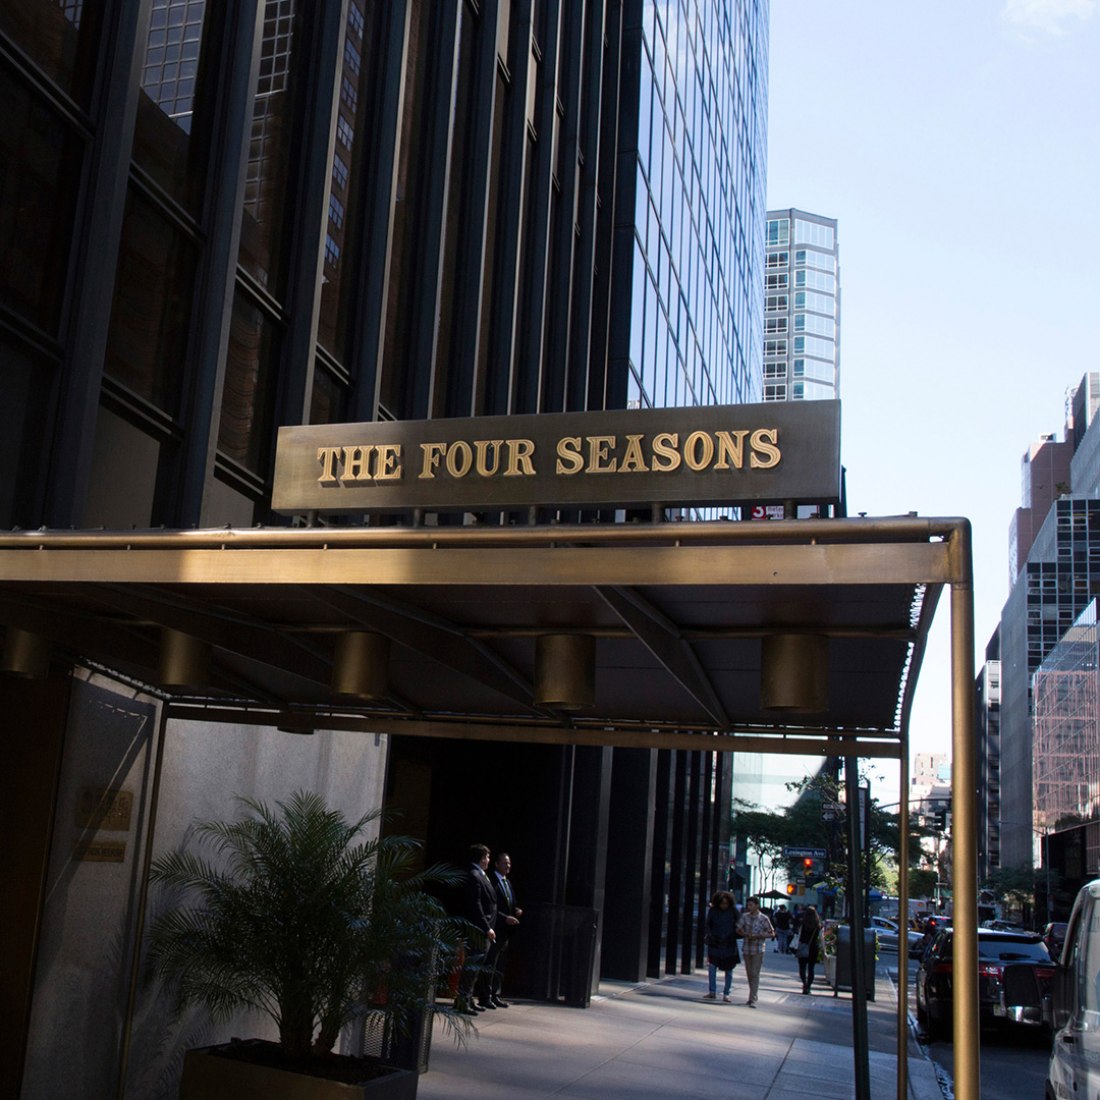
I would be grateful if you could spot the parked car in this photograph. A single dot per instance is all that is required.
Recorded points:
(1075, 1053)
(1015, 978)
(888, 935)
(1054, 935)
(1003, 926)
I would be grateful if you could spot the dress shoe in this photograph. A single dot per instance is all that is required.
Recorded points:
(500, 1004)
(484, 1006)
(464, 1008)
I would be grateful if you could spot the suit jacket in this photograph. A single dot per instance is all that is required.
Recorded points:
(505, 907)
(479, 899)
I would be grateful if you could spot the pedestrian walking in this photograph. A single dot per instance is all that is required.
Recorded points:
(755, 929)
(782, 923)
(809, 945)
(721, 942)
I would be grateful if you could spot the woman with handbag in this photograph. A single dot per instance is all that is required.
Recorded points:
(721, 941)
(809, 945)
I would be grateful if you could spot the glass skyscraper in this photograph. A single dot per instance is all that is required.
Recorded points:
(801, 307)
(699, 205)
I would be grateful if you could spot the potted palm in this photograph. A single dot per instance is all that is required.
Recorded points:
(293, 912)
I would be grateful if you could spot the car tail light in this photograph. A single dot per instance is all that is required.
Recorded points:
(991, 970)
(1045, 973)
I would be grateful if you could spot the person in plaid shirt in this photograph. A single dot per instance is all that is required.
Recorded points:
(756, 930)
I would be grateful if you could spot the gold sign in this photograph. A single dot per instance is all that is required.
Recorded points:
(104, 808)
(101, 851)
(719, 455)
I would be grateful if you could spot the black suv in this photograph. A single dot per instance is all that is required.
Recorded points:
(1015, 972)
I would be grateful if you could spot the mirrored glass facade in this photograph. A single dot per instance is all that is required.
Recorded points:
(699, 203)
(1066, 745)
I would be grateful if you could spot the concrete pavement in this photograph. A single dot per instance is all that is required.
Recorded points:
(662, 1040)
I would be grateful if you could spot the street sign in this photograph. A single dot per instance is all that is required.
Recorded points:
(804, 853)
(833, 807)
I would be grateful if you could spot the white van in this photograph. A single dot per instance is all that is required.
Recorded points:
(1075, 1055)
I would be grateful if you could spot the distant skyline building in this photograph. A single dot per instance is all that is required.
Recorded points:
(1056, 582)
(801, 307)
(989, 762)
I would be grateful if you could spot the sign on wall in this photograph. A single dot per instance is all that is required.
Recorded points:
(728, 454)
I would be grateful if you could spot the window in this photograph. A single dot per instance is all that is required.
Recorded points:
(355, 19)
(348, 95)
(774, 325)
(778, 281)
(812, 322)
(779, 231)
(822, 236)
(819, 303)
(812, 345)
(775, 370)
(332, 251)
(339, 171)
(775, 302)
(823, 261)
(775, 347)
(351, 56)
(335, 211)
(776, 392)
(344, 132)
(778, 259)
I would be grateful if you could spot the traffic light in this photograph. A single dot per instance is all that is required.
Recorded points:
(807, 865)
(790, 887)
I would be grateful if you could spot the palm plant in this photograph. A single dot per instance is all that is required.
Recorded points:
(302, 919)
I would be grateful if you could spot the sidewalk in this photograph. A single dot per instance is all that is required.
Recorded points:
(661, 1040)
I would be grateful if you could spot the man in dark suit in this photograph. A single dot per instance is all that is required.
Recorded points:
(508, 914)
(480, 909)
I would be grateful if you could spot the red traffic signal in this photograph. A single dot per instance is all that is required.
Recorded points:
(807, 863)
(790, 887)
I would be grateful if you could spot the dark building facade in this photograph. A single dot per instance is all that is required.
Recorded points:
(220, 219)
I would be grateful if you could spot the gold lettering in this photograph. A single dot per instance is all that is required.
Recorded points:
(387, 466)
(432, 453)
(764, 441)
(357, 463)
(459, 466)
(598, 446)
(328, 457)
(731, 449)
(633, 460)
(519, 458)
(666, 457)
(692, 455)
(482, 446)
(569, 456)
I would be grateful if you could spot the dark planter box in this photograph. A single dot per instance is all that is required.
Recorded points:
(209, 1075)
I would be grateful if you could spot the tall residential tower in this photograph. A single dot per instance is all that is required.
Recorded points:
(801, 307)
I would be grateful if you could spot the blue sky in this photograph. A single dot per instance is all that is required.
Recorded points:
(958, 145)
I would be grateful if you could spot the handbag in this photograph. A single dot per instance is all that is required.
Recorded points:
(803, 951)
